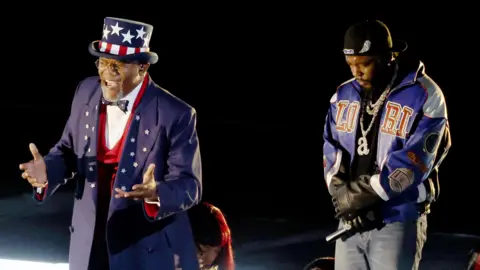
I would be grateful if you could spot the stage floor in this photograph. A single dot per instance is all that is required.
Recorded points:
(39, 234)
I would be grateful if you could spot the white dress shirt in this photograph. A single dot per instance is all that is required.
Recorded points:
(117, 119)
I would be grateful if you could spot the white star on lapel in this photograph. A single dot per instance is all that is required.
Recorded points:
(116, 29)
(127, 37)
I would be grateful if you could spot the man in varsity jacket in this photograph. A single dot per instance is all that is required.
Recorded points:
(386, 133)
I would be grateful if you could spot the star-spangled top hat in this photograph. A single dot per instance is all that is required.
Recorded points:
(125, 40)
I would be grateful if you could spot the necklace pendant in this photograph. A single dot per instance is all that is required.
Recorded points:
(369, 110)
(362, 148)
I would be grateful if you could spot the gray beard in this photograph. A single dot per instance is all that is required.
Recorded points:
(117, 97)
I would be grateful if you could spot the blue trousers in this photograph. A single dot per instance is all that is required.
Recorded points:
(397, 246)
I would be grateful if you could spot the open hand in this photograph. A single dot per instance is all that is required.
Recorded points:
(145, 191)
(35, 171)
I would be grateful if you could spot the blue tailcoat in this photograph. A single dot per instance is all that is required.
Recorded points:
(163, 132)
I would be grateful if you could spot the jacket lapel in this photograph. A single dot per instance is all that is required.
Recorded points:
(142, 135)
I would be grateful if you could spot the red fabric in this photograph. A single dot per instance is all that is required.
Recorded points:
(151, 209)
(41, 196)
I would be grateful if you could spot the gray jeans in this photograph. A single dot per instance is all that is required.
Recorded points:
(396, 246)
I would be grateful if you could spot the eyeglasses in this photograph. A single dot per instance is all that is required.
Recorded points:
(115, 67)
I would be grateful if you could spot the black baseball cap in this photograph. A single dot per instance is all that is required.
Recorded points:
(370, 37)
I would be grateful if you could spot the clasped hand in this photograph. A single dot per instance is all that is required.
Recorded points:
(145, 191)
(350, 197)
(365, 220)
(357, 203)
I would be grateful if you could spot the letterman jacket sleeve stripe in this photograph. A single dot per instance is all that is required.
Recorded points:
(332, 155)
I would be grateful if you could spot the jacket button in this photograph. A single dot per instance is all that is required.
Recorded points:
(150, 250)
(70, 228)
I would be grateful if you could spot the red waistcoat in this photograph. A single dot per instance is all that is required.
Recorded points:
(108, 159)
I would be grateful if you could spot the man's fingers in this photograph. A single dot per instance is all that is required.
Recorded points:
(30, 179)
(33, 182)
(38, 185)
(130, 194)
(25, 166)
(151, 169)
(28, 173)
(149, 174)
(139, 187)
(34, 150)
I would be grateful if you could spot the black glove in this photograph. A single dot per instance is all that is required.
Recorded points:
(367, 219)
(352, 197)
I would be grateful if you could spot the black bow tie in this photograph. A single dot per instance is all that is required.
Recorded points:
(122, 104)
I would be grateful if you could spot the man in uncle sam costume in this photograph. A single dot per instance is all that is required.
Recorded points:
(132, 149)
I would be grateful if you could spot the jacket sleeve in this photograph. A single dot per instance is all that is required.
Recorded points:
(182, 185)
(333, 167)
(60, 161)
(408, 167)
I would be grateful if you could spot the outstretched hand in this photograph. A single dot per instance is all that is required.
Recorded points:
(35, 171)
(145, 191)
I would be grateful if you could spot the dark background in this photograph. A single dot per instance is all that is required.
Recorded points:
(260, 79)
